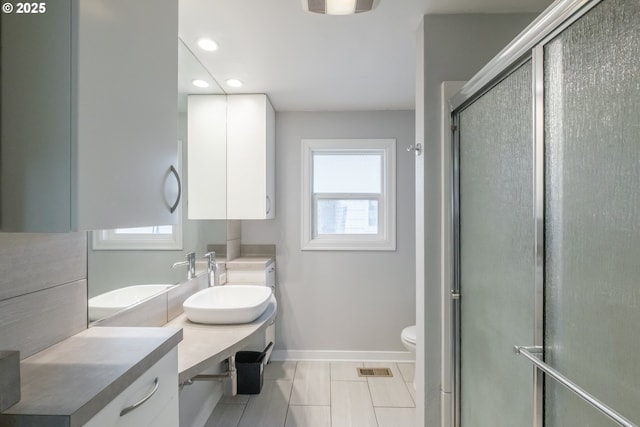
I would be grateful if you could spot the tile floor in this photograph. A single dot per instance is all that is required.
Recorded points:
(323, 394)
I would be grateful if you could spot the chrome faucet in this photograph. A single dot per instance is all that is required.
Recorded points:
(190, 263)
(212, 267)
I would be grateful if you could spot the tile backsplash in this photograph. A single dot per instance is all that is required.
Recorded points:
(43, 289)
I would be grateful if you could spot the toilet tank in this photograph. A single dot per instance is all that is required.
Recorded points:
(252, 271)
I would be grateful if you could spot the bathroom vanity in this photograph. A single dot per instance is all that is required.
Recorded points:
(93, 377)
(115, 374)
(205, 346)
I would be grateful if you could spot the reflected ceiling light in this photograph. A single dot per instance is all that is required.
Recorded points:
(234, 83)
(200, 83)
(341, 7)
(208, 45)
(338, 7)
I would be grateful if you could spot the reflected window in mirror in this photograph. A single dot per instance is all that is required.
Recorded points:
(157, 237)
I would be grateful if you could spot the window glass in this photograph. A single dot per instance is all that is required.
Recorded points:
(346, 216)
(355, 172)
(158, 229)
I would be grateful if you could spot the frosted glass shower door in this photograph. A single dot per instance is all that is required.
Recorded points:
(496, 247)
(592, 214)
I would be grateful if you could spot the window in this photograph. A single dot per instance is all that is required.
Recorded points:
(348, 194)
(158, 237)
(162, 237)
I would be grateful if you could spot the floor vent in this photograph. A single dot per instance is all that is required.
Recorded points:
(374, 372)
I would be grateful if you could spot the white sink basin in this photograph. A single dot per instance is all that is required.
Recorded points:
(230, 304)
(111, 302)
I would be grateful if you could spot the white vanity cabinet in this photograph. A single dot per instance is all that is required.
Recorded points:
(231, 149)
(250, 157)
(157, 406)
(89, 115)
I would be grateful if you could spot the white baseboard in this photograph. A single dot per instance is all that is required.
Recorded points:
(342, 356)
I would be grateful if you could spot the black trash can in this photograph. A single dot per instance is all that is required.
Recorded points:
(250, 367)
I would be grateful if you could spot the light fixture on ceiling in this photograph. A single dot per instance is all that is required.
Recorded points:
(338, 7)
(234, 83)
(200, 83)
(207, 44)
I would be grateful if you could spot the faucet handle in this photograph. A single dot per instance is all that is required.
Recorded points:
(190, 263)
(211, 260)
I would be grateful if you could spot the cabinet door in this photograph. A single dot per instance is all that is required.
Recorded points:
(207, 156)
(125, 112)
(169, 416)
(158, 387)
(89, 115)
(250, 157)
(36, 112)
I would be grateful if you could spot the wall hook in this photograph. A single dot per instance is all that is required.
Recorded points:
(417, 149)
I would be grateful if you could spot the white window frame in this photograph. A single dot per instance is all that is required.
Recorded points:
(109, 240)
(385, 240)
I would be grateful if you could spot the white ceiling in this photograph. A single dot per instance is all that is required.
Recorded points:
(311, 62)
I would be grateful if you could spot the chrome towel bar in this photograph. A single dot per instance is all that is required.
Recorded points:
(529, 353)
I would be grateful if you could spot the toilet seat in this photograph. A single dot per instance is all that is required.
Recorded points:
(408, 336)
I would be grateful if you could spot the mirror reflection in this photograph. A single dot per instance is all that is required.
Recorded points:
(126, 266)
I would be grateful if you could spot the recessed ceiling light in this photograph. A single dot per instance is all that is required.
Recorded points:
(200, 83)
(234, 83)
(208, 45)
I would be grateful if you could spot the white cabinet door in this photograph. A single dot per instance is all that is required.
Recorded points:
(250, 157)
(89, 115)
(169, 416)
(231, 150)
(158, 387)
(126, 112)
(207, 156)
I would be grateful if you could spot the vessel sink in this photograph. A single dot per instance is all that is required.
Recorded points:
(111, 302)
(230, 304)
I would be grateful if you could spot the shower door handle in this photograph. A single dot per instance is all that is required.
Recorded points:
(531, 353)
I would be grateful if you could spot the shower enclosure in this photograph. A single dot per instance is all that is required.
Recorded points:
(546, 148)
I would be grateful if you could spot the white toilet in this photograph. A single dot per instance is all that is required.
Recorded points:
(408, 337)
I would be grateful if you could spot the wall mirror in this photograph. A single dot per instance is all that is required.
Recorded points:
(129, 258)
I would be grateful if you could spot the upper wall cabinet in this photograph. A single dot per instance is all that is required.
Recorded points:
(89, 115)
(207, 156)
(240, 128)
(250, 157)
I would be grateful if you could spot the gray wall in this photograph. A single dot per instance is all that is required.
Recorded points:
(43, 289)
(455, 48)
(337, 300)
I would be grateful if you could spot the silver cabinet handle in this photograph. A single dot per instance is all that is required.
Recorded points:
(268, 205)
(173, 208)
(156, 384)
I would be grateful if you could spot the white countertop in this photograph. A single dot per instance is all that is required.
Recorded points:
(249, 263)
(203, 346)
(70, 382)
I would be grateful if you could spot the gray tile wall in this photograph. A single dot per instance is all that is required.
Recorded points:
(43, 289)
